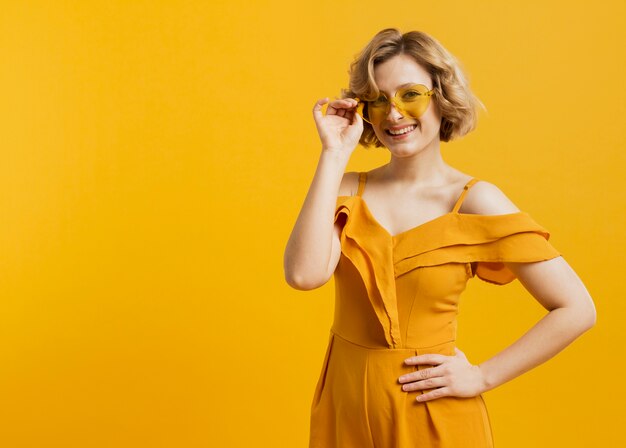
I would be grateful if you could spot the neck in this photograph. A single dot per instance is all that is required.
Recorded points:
(427, 167)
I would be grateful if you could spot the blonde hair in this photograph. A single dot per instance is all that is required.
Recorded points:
(454, 98)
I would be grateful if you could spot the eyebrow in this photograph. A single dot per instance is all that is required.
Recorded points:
(406, 84)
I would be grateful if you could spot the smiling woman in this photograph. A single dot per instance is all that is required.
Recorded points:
(439, 71)
(402, 241)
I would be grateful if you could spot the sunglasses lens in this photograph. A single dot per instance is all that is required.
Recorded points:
(376, 111)
(411, 101)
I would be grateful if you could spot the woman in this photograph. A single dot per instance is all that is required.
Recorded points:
(406, 238)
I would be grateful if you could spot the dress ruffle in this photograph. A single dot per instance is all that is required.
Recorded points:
(488, 240)
(373, 259)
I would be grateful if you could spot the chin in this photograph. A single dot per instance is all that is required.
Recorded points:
(405, 151)
(407, 147)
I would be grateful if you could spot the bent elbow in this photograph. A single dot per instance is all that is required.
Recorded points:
(589, 317)
(304, 283)
(592, 318)
(303, 277)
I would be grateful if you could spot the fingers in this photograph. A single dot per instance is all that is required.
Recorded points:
(338, 107)
(422, 374)
(451, 376)
(437, 393)
(317, 109)
(429, 383)
(342, 106)
(357, 119)
(430, 358)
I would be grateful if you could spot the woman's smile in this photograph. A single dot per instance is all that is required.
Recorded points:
(400, 132)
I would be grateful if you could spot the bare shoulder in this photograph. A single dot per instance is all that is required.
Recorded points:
(349, 184)
(485, 198)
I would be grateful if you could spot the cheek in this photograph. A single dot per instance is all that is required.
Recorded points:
(434, 113)
(379, 132)
(431, 120)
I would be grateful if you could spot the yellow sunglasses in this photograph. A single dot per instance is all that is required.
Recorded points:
(411, 101)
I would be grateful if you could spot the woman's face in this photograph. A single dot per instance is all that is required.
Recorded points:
(390, 76)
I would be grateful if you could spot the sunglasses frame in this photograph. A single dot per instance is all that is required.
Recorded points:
(362, 103)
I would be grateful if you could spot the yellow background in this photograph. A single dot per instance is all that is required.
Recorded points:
(155, 156)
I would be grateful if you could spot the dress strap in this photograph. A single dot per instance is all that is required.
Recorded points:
(362, 179)
(459, 201)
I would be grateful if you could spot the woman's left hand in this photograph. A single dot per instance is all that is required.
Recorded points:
(453, 376)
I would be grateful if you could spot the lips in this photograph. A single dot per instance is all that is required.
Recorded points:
(399, 131)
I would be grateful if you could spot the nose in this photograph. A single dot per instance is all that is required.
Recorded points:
(393, 114)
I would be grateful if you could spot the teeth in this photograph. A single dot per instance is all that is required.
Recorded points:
(402, 131)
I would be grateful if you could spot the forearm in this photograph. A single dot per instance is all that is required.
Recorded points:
(555, 331)
(308, 250)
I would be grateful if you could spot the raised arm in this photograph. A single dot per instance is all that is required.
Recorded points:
(313, 248)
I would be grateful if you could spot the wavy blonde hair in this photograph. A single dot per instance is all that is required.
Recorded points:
(457, 104)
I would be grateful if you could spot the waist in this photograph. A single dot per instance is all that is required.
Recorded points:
(444, 347)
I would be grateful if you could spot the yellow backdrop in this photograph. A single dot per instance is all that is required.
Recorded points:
(154, 158)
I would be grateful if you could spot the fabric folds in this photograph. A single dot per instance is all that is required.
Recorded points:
(373, 259)
(488, 240)
(412, 281)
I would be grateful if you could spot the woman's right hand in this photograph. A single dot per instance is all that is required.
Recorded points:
(341, 127)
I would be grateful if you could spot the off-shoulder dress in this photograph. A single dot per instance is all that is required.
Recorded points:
(397, 296)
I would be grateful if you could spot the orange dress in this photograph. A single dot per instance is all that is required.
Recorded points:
(397, 296)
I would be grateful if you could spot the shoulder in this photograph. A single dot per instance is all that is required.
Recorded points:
(349, 184)
(485, 198)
